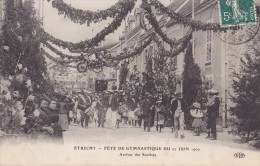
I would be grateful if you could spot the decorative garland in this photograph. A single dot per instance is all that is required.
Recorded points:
(91, 42)
(57, 61)
(86, 16)
(103, 58)
(177, 51)
(151, 18)
(137, 51)
(62, 55)
(184, 41)
(92, 64)
(195, 25)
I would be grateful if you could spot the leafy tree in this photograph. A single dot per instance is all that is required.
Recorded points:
(21, 44)
(247, 90)
(192, 82)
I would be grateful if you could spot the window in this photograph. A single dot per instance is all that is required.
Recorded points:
(151, 51)
(149, 61)
(209, 36)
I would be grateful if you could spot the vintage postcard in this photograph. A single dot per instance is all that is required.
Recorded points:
(129, 82)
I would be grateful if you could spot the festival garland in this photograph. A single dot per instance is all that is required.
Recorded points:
(123, 56)
(78, 59)
(62, 55)
(194, 24)
(151, 18)
(177, 51)
(57, 61)
(105, 59)
(86, 16)
(91, 42)
(183, 41)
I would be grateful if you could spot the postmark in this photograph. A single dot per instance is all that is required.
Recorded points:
(237, 12)
(238, 37)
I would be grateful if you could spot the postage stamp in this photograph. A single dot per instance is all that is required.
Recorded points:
(237, 12)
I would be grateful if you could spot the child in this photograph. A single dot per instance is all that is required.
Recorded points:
(137, 117)
(197, 113)
(159, 115)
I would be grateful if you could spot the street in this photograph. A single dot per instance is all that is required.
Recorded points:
(100, 136)
(132, 146)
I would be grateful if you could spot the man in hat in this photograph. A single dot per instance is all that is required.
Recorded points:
(147, 106)
(213, 113)
(101, 106)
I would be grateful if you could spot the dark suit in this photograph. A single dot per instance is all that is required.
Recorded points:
(101, 107)
(147, 113)
(114, 105)
(213, 113)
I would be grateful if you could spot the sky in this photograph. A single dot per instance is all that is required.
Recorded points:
(65, 29)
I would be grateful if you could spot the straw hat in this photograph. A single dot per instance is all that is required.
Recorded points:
(158, 101)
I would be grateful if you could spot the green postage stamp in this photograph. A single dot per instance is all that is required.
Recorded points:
(237, 12)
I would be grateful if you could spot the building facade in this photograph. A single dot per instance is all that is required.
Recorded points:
(216, 58)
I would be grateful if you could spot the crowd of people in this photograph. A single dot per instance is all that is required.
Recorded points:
(47, 117)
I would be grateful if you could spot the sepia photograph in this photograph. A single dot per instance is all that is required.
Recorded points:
(129, 82)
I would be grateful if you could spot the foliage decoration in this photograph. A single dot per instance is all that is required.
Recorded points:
(86, 16)
(64, 63)
(151, 18)
(91, 42)
(114, 60)
(62, 55)
(194, 24)
(23, 44)
(173, 52)
(102, 58)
